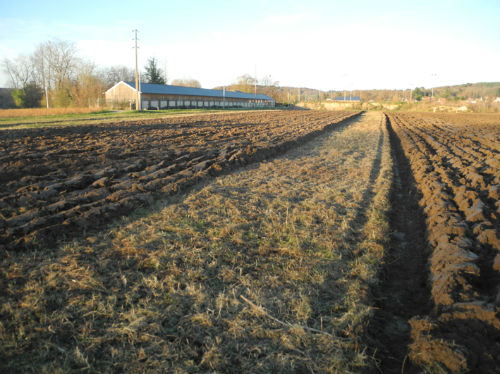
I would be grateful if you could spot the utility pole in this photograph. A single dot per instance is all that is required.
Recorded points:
(224, 97)
(344, 76)
(432, 88)
(46, 93)
(137, 84)
(165, 71)
(45, 80)
(255, 87)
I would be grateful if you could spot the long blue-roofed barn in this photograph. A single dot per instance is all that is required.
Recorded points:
(164, 96)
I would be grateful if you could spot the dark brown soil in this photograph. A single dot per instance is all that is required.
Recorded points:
(455, 168)
(403, 291)
(59, 182)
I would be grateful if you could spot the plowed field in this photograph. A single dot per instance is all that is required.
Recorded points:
(264, 270)
(455, 162)
(371, 247)
(55, 182)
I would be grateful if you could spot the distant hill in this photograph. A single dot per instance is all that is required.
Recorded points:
(282, 95)
(457, 92)
(469, 90)
(292, 95)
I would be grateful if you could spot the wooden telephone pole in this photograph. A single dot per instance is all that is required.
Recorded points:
(255, 87)
(137, 82)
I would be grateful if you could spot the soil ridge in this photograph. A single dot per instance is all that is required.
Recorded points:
(403, 291)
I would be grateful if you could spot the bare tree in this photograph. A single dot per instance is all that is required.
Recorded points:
(55, 62)
(62, 56)
(244, 83)
(20, 71)
(267, 81)
(114, 74)
(69, 80)
(87, 87)
(41, 67)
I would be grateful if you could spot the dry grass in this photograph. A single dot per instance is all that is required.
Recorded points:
(36, 112)
(300, 237)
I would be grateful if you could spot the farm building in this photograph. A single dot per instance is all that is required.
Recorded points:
(163, 96)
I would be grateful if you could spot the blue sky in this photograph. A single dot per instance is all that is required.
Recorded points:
(318, 44)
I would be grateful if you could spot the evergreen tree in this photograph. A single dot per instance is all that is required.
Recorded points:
(32, 96)
(153, 73)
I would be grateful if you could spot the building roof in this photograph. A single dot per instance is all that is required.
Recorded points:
(348, 98)
(166, 89)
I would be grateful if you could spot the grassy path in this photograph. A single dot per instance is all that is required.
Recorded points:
(267, 269)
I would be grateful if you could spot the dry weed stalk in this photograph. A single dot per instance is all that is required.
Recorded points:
(288, 324)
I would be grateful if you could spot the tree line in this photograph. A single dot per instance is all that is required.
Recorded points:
(55, 76)
(54, 73)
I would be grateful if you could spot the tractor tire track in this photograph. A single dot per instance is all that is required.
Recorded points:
(403, 291)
